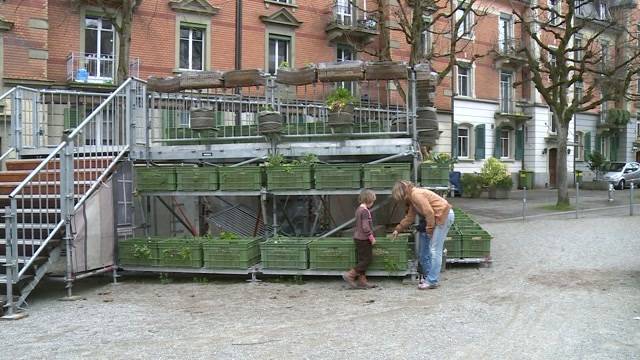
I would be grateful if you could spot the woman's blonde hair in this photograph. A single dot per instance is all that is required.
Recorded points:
(366, 196)
(399, 191)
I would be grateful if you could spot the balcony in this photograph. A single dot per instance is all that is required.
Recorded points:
(599, 13)
(96, 68)
(509, 53)
(511, 109)
(349, 25)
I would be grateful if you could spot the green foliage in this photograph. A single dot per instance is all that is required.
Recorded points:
(339, 98)
(493, 171)
(471, 185)
(505, 183)
(596, 161)
(165, 279)
(278, 160)
(183, 253)
(141, 251)
(441, 159)
(228, 236)
(284, 65)
(618, 117)
(266, 108)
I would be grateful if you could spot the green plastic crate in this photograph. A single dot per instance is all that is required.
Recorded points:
(384, 176)
(434, 175)
(231, 254)
(156, 178)
(453, 244)
(240, 178)
(197, 178)
(289, 177)
(476, 244)
(332, 254)
(138, 252)
(183, 253)
(285, 254)
(390, 255)
(338, 176)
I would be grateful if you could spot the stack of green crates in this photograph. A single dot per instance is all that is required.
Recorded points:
(390, 255)
(476, 243)
(384, 176)
(332, 254)
(289, 177)
(138, 252)
(453, 243)
(231, 253)
(434, 175)
(181, 253)
(338, 176)
(190, 178)
(285, 253)
(155, 178)
(241, 178)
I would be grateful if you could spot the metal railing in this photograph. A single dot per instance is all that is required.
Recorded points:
(345, 14)
(510, 47)
(96, 68)
(42, 205)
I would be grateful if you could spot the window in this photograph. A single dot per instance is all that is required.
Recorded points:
(602, 10)
(577, 46)
(604, 107)
(466, 25)
(464, 80)
(279, 51)
(579, 139)
(554, 123)
(578, 91)
(604, 46)
(191, 48)
(552, 64)
(505, 36)
(506, 89)
(463, 142)
(579, 6)
(605, 150)
(345, 53)
(426, 37)
(504, 144)
(344, 12)
(98, 47)
(555, 9)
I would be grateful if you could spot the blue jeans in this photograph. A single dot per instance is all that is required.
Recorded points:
(431, 250)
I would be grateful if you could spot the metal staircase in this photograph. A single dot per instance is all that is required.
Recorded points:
(39, 197)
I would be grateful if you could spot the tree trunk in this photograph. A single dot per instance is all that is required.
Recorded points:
(417, 26)
(124, 45)
(561, 165)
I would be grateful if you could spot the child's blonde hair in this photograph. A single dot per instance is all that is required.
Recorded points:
(366, 196)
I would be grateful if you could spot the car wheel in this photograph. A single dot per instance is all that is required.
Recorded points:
(621, 185)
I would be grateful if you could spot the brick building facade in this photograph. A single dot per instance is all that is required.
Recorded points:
(55, 44)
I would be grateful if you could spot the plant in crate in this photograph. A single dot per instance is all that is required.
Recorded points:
(471, 185)
(141, 251)
(269, 120)
(341, 106)
(289, 175)
(494, 177)
(435, 169)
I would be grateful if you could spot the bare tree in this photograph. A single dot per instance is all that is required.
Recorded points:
(120, 13)
(573, 65)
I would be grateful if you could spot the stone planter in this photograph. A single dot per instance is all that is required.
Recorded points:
(243, 78)
(304, 76)
(202, 80)
(341, 71)
(167, 85)
(385, 70)
(269, 122)
(495, 193)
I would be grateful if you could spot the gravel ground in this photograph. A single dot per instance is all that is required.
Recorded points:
(547, 296)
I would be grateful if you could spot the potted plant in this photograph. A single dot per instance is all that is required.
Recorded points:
(340, 103)
(269, 120)
(289, 175)
(471, 185)
(435, 169)
(493, 175)
(289, 76)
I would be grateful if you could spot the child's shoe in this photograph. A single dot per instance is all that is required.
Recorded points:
(350, 277)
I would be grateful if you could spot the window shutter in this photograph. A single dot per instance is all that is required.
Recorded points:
(587, 145)
(613, 147)
(71, 117)
(454, 143)
(497, 149)
(479, 142)
(598, 144)
(519, 154)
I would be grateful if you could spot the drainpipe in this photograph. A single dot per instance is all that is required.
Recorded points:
(238, 34)
(453, 78)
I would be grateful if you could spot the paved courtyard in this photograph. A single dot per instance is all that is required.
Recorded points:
(559, 288)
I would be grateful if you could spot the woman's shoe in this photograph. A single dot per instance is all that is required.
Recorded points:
(364, 284)
(427, 286)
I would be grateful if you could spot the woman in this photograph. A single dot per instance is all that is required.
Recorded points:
(438, 215)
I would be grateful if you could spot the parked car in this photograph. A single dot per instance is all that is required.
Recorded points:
(622, 174)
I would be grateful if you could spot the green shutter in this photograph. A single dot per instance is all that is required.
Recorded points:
(587, 145)
(479, 142)
(71, 117)
(497, 149)
(519, 154)
(613, 147)
(454, 141)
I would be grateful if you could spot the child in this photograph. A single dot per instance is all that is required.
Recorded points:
(364, 239)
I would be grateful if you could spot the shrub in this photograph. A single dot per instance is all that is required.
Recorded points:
(505, 183)
(471, 185)
(493, 171)
(339, 98)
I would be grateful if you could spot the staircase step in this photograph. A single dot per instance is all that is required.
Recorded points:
(23, 242)
(23, 259)
(50, 175)
(3, 278)
(46, 187)
(42, 201)
(30, 226)
(79, 163)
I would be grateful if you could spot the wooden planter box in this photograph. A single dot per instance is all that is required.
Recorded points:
(304, 76)
(167, 85)
(495, 193)
(341, 71)
(203, 119)
(243, 78)
(269, 122)
(202, 80)
(385, 70)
